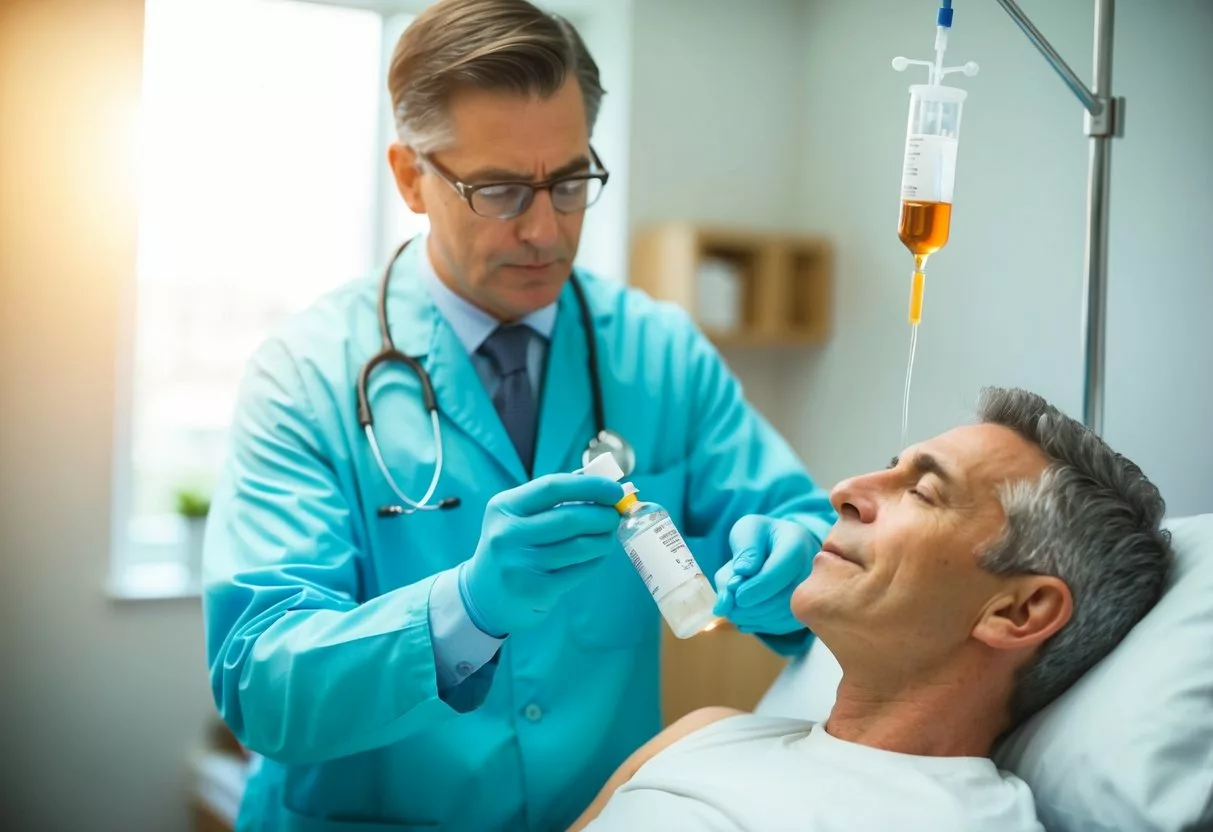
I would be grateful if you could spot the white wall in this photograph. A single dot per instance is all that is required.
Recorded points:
(1160, 350)
(715, 130)
(608, 35)
(1003, 299)
(101, 701)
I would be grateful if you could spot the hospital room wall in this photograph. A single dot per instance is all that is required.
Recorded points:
(101, 700)
(706, 147)
(1004, 299)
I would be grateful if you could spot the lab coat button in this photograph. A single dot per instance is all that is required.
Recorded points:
(533, 712)
(463, 668)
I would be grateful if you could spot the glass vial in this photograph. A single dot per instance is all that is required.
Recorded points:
(683, 594)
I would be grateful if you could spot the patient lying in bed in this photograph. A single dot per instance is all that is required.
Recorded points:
(962, 589)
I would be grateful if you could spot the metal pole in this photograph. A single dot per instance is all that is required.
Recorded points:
(1104, 121)
(1095, 295)
(1068, 75)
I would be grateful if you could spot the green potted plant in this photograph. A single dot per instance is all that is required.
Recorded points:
(193, 504)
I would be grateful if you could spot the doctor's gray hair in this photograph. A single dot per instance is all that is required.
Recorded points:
(1093, 520)
(506, 45)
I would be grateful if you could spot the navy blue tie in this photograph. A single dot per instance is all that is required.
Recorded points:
(514, 398)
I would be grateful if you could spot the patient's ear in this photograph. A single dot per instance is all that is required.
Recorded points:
(1028, 612)
(406, 169)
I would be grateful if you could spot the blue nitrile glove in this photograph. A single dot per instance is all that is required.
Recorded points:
(533, 549)
(770, 559)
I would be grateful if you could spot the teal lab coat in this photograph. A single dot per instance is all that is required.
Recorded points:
(317, 629)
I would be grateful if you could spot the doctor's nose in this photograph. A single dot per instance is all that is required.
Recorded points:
(855, 500)
(538, 225)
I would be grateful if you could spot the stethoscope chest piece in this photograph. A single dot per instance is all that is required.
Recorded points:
(609, 442)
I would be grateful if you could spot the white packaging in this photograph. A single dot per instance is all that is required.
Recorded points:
(662, 558)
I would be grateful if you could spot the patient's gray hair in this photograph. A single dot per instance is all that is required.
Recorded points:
(504, 45)
(1093, 520)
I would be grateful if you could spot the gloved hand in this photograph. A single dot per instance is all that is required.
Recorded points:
(770, 558)
(534, 548)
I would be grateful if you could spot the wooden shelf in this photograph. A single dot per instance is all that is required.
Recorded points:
(720, 667)
(781, 282)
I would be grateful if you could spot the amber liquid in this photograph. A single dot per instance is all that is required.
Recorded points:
(923, 229)
(924, 226)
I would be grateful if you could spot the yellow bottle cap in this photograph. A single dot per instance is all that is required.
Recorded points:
(629, 498)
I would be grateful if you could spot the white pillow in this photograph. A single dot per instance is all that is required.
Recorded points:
(806, 688)
(1130, 746)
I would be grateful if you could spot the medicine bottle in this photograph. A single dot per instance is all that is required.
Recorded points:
(682, 592)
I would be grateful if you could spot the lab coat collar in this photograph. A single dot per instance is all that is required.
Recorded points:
(566, 401)
(421, 332)
(412, 314)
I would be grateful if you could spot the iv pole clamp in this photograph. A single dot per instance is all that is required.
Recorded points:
(1104, 121)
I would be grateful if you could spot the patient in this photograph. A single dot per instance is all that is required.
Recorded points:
(962, 589)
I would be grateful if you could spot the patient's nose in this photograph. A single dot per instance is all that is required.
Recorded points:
(854, 499)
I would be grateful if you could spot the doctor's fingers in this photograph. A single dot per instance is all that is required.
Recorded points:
(559, 583)
(567, 522)
(551, 490)
(782, 570)
(555, 557)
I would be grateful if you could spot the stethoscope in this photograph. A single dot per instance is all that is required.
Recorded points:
(604, 440)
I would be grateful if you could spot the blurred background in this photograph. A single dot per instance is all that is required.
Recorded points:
(178, 175)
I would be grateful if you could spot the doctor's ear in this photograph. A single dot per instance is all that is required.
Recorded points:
(406, 168)
(1027, 613)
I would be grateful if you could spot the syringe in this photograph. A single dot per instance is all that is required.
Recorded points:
(928, 175)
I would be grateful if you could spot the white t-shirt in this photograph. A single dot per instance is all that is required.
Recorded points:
(769, 774)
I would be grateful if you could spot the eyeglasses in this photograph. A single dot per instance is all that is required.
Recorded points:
(506, 200)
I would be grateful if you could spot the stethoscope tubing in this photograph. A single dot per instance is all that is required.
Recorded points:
(389, 354)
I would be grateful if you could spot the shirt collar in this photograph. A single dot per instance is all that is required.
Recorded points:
(471, 324)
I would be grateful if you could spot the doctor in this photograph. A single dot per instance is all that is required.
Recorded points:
(484, 662)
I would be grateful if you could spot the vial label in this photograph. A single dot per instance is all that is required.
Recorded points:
(662, 558)
(929, 171)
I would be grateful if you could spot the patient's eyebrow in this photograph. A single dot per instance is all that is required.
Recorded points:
(924, 463)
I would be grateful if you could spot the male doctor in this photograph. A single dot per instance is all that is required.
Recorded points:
(487, 665)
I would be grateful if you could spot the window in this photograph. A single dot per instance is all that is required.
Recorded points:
(262, 124)
(264, 184)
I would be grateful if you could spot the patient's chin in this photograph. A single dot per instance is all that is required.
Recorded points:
(814, 596)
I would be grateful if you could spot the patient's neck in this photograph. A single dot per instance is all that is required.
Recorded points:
(956, 711)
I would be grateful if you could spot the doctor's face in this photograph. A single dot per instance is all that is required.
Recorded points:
(508, 267)
(898, 581)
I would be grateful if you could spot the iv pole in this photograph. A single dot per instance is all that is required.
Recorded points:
(1104, 121)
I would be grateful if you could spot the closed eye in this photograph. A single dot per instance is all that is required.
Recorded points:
(921, 496)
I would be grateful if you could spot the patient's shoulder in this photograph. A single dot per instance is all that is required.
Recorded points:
(703, 717)
(720, 726)
(687, 725)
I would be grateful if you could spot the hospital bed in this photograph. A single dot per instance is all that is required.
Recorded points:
(1130, 746)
